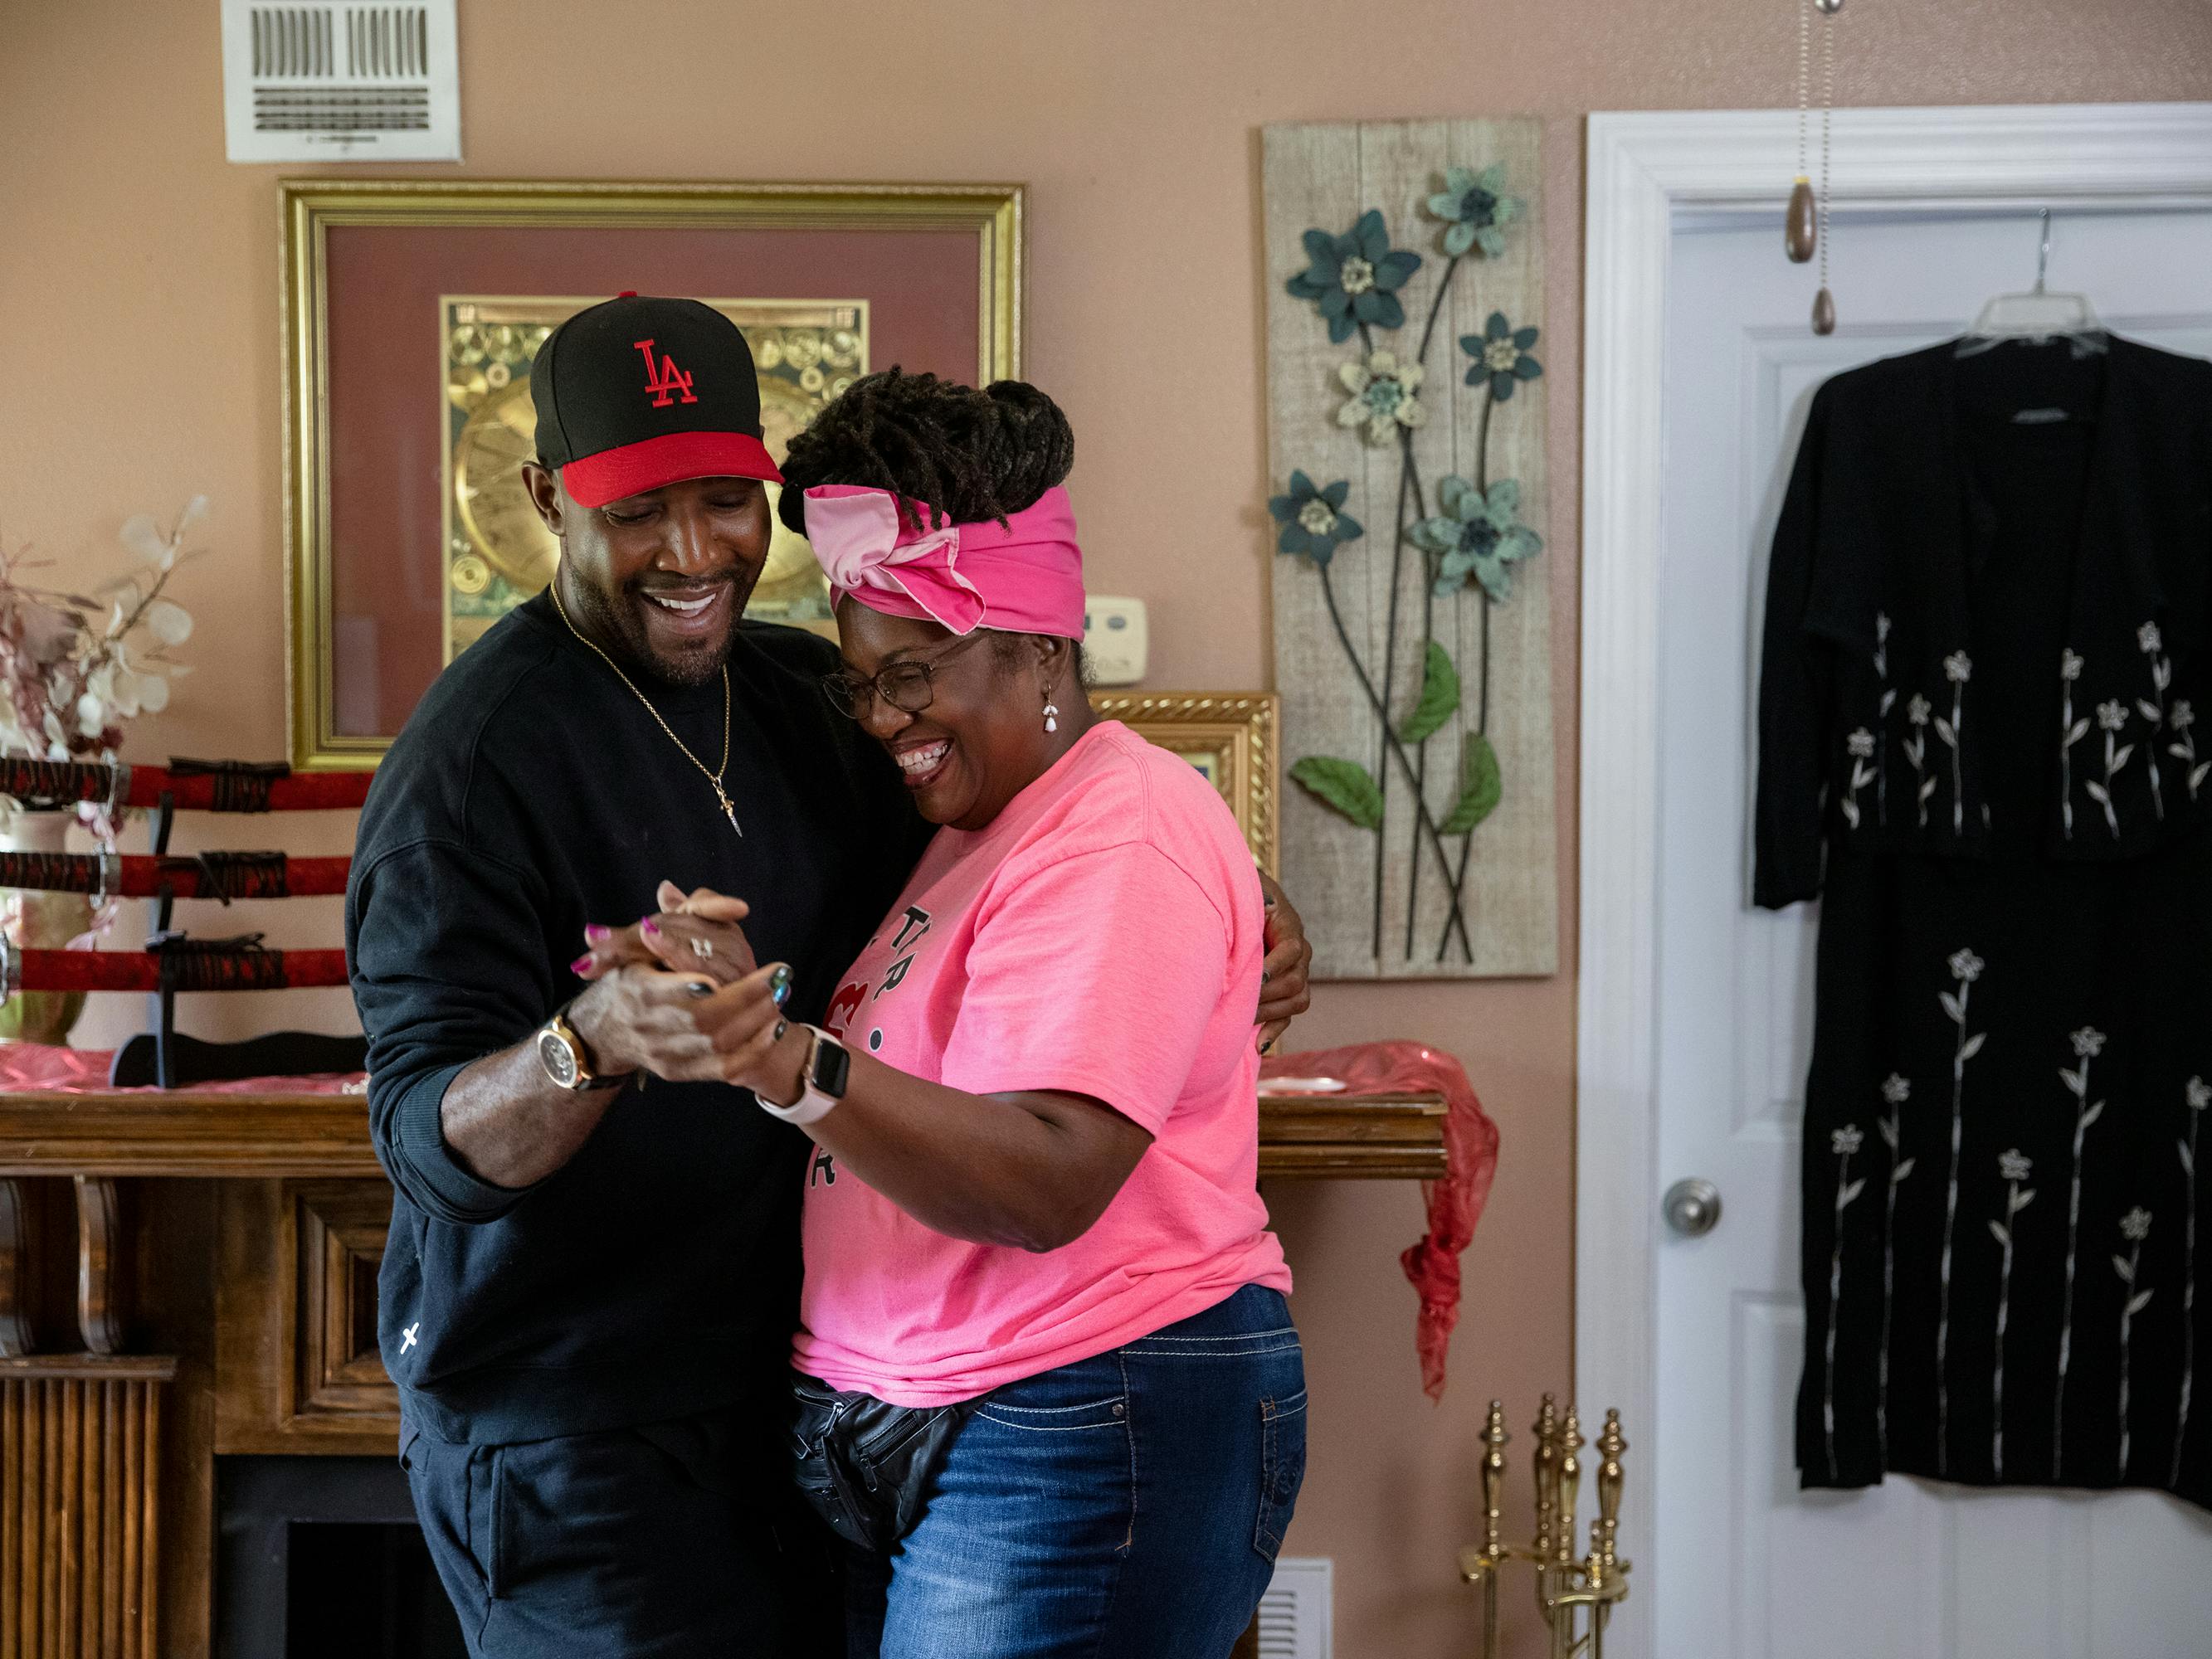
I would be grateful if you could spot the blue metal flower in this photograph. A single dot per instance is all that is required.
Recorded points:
(1314, 519)
(1501, 356)
(1475, 209)
(1477, 535)
(1354, 278)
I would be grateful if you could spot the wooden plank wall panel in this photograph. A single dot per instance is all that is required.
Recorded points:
(79, 1565)
(1325, 175)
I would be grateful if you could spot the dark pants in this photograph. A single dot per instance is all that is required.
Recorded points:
(1125, 1507)
(672, 1540)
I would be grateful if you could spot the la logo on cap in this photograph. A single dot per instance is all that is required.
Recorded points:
(666, 380)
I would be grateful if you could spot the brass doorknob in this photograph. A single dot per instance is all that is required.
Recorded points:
(1693, 1207)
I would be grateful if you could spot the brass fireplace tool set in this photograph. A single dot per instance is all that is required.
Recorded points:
(1576, 1597)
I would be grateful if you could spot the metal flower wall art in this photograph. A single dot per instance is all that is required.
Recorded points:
(1439, 542)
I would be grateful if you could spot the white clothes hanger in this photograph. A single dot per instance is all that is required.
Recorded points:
(2037, 315)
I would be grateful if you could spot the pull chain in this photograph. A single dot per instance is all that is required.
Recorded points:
(1824, 302)
(1799, 229)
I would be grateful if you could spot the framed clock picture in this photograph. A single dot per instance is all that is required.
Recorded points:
(414, 309)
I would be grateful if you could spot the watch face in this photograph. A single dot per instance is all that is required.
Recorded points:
(559, 1058)
(832, 1065)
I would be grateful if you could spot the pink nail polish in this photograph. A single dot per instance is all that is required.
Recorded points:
(649, 925)
(580, 963)
(594, 933)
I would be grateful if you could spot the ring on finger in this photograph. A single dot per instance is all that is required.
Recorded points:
(701, 947)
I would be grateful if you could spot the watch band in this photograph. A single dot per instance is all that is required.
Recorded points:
(821, 1082)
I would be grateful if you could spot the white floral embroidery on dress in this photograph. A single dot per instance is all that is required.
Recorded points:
(2071, 731)
(1967, 968)
(1895, 1091)
(1957, 668)
(1916, 751)
(1860, 748)
(1881, 718)
(2088, 1043)
(2179, 718)
(2014, 1167)
(2198, 1095)
(1844, 1143)
(2153, 707)
(2134, 1227)
(2111, 718)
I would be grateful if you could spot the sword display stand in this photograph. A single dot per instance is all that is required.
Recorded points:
(1576, 1595)
(173, 960)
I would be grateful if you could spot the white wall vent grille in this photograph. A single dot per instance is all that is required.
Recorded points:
(338, 82)
(1295, 1619)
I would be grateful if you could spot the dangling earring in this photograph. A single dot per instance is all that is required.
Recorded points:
(1052, 717)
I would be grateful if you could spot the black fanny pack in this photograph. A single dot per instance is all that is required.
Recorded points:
(866, 1464)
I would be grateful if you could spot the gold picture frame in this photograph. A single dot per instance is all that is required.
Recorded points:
(1229, 736)
(983, 222)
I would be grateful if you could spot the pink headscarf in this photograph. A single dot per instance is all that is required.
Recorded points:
(1024, 576)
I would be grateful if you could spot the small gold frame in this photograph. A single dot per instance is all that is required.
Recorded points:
(1229, 736)
(310, 207)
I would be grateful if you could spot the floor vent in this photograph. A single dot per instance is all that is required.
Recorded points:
(1295, 1619)
(334, 82)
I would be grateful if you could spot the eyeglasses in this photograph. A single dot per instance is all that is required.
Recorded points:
(905, 685)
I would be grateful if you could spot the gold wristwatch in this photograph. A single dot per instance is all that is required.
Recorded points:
(561, 1053)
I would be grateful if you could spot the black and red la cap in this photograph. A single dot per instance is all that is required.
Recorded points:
(637, 392)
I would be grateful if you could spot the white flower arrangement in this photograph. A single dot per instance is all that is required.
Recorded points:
(75, 668)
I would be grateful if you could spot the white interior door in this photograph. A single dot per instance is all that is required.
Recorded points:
(1753, 1569)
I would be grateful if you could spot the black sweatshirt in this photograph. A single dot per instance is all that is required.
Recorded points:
(655, 1275)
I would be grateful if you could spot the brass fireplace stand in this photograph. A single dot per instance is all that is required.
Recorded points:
(1576, 1597)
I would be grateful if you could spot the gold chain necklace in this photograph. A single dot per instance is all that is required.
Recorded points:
(713, 778)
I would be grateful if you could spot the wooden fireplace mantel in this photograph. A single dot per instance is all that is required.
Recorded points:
(141, 1132)
(190, 1275)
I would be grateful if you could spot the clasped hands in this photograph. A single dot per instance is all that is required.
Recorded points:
(679, 995)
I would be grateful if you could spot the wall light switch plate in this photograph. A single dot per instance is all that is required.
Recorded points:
(1113, 639)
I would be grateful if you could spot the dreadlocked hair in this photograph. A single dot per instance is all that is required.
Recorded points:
(967, 455)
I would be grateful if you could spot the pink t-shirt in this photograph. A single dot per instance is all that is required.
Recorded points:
(1102, 937)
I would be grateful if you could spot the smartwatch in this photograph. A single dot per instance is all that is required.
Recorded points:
(823, 1078)
(561, 1053)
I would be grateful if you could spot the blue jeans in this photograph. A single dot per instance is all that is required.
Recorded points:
(1124, 1507)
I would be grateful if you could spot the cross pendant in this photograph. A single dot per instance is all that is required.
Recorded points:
(728, 811)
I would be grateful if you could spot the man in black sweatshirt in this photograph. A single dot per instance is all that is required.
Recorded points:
(589, 1285)
(591, 1275)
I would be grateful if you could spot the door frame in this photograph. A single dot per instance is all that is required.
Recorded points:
(1642, 168)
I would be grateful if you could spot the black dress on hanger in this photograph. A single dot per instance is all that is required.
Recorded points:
(1978, 745)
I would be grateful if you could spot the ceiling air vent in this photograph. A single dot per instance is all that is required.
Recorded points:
(336, 83)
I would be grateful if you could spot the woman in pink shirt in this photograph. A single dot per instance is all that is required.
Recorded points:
(1049, 1388)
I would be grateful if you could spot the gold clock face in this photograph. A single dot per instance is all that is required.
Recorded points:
(492, 510)
(498, 551)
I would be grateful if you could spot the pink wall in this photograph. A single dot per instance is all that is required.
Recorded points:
(138, 279)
